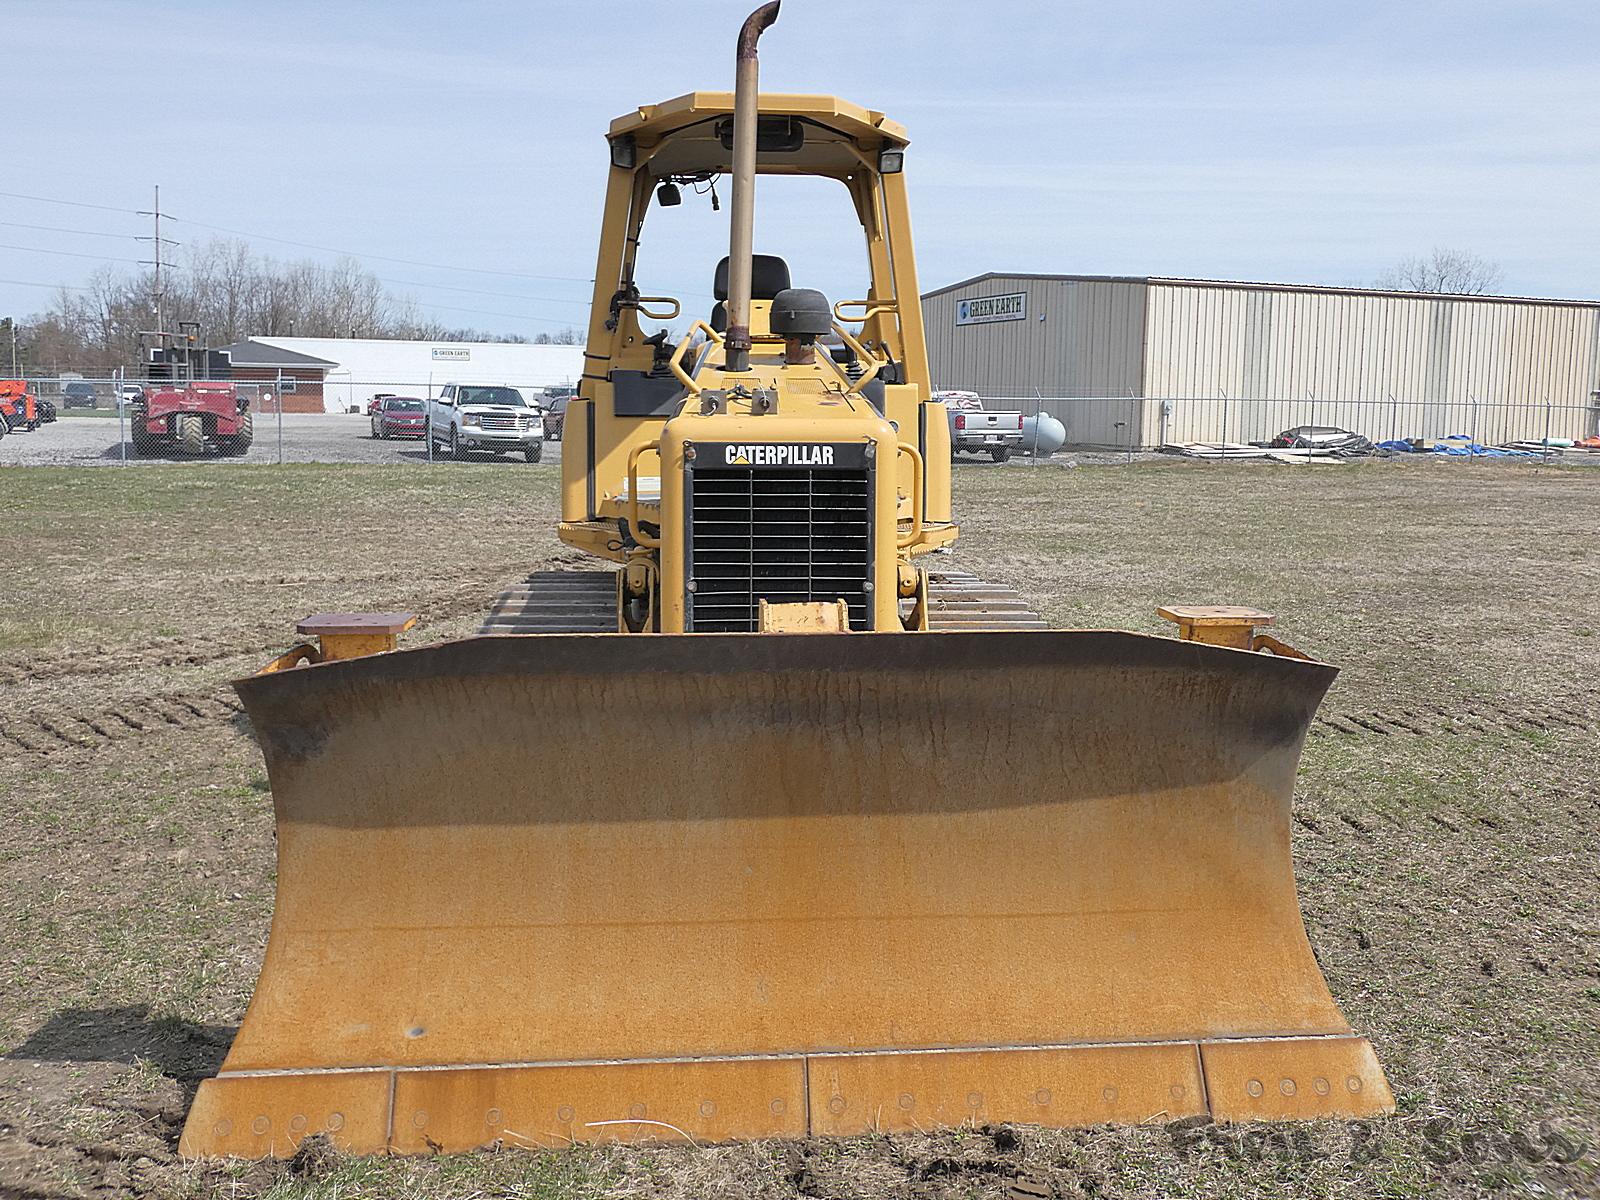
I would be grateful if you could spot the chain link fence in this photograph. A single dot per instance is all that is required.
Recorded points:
(74, 418)
(1132, 424)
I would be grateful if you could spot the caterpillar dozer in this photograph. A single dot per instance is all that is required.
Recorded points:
(766, 827)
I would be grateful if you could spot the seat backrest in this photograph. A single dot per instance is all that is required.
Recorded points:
(769, 275)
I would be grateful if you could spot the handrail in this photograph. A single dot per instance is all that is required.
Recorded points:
(860, 352)
(639, 303)
(639, 535)
(870, 308)
(676, 361)
(917, 468)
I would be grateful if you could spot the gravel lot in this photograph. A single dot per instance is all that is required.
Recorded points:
(307, 437)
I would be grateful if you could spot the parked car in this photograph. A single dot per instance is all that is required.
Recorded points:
(555, 411)
(400, 416)
(129, 393)
(377, 400)
(468, 416)
(79, 394)
(47, 411)
(973, 430)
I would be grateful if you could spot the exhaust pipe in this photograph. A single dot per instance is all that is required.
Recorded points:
(741, 242)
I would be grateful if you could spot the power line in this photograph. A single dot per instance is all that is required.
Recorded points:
(72, 203)
(72, 254)
(409, 262)
(445, 287)
(261, 237)
(313, 246)
(52, 286)
(59, 229)
(562, 321)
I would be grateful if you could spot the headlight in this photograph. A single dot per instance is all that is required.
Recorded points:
(469, 419)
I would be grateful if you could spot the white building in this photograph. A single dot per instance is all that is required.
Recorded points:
(364, 367)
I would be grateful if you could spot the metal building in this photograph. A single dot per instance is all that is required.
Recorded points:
(1144, 361)
(360, 368)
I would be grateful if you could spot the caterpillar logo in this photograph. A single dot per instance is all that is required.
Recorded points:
(799, 454)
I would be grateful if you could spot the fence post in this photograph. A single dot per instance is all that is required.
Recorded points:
(1038, 412)
(1394, 415)
(1546, 457)
(427, 421)
(1224, 442)
(122, 437)
(277, 402)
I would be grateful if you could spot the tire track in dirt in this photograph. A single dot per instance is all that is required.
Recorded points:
(1467, 717)
(107, 660)
(443, 599)
(48, 734)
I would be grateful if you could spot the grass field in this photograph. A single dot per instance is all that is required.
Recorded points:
(1445, 836)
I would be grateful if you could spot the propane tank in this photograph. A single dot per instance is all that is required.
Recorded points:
(1042, 435)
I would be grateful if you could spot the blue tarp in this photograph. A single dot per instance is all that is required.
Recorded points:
(1463, 447)
(1457, 447)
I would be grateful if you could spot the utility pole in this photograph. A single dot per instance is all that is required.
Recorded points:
(11, 324)
(159, 242)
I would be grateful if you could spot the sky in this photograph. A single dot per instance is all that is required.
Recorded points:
(457, 151)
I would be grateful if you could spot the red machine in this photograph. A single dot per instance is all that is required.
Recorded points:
(19, 410)
(191, 418)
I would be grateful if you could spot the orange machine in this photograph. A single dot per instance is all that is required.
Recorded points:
(19, 408)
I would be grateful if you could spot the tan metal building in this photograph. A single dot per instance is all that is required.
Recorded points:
(1143, 361)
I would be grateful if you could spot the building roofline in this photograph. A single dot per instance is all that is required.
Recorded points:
(295, 358)
(950, 287)
(274, 338)
(1244, 285)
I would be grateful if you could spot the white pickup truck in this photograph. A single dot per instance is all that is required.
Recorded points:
(975, 430)
(468, 417)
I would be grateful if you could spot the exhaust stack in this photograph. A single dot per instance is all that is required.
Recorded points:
(741, 241)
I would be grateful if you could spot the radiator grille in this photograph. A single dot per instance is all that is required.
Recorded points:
(779, 534)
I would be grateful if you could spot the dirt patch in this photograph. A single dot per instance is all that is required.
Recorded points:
(1445, 835)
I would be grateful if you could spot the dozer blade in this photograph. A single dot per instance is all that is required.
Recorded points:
(541, 889)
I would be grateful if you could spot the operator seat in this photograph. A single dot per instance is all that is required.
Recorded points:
(769, 275)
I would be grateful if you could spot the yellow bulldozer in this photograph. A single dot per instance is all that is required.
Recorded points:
(765, 828)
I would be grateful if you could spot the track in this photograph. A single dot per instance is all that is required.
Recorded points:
(585, 602)
(556, 602)
(962, 602)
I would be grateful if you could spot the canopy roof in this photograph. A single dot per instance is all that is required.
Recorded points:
(680, 136)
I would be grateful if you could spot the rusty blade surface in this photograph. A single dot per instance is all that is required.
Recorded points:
(550, 853)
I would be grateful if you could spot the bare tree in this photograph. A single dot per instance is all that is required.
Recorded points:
(234, 294)
(561, 337)
(1454, 271)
